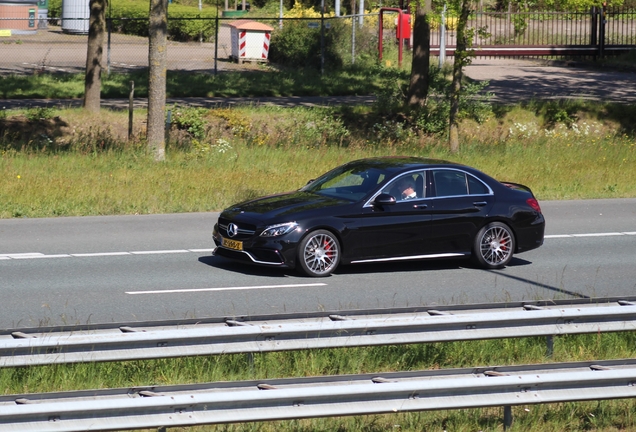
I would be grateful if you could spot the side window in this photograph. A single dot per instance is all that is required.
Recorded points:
(408, 186)
(476, 187)
(450, 183)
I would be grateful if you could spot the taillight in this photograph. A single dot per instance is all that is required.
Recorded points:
(534, 204)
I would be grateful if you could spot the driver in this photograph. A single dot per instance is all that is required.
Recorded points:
(406, 187)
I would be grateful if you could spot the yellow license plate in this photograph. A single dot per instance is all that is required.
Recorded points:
(232, 244)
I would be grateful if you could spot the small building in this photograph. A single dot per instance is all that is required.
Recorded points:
(19, 16)
(250, 40)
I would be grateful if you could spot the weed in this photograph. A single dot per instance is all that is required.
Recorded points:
(41, 113)
(559, 112)
(191, 120)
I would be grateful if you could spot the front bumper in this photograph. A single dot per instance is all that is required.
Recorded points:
(275, 252)
(250, 257)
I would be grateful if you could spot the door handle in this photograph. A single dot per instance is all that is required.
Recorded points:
(479, 203)
(420, 206)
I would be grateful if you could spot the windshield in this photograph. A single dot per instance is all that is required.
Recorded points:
(347, 182)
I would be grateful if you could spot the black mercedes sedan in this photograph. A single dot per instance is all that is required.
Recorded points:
(382, 210)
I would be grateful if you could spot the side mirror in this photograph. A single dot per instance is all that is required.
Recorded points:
(384, 199)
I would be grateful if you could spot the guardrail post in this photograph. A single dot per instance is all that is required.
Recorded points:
(507, 416)
(549, 346)
(250, 361)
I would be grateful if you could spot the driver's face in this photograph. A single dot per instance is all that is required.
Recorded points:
(405, 185)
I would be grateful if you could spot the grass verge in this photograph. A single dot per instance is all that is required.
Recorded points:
(69, 163)
(267, 82)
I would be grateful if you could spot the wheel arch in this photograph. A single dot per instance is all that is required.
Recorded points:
(505, 221)
(333, 230)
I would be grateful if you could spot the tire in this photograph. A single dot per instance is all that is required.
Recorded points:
(319, 253)
(493, 246)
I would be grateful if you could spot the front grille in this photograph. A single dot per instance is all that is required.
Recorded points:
(244, 230)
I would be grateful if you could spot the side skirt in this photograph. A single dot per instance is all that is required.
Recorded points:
(414, 257)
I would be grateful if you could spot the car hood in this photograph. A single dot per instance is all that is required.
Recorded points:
(284, 206)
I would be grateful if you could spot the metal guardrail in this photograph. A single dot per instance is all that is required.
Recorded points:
(228, 402)
(297, 332)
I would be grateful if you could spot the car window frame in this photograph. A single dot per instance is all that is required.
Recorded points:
(393, 182)
(466, 173)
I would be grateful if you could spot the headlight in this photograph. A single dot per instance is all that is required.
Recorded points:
(279, 229)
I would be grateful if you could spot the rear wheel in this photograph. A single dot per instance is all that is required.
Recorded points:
(494, 245)
(319, 253)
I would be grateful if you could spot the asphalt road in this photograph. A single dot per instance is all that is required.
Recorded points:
(136, 268)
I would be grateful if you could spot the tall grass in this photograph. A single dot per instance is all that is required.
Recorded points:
(86, 168)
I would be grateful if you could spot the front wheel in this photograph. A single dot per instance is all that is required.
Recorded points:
(319, 253)
(494, 245)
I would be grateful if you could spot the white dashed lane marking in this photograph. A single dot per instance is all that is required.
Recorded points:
(194, 290)
(38, 255)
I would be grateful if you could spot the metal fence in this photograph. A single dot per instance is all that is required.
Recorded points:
(598, 31)
(52, 48)
(48, 46)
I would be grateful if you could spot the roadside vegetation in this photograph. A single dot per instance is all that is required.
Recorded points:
(71, 163)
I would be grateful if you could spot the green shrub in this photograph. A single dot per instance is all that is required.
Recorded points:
(191, 120)
(558, 112)
(55, 8)
(185, 23)
(40, 113)
(183, 26)
(296, 44)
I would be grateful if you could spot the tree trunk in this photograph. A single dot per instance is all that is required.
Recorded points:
(461, 56)
(418, 88)
(94, 54)
(157, 61)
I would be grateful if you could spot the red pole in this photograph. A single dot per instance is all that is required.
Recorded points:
(400, 40)
(399, 34)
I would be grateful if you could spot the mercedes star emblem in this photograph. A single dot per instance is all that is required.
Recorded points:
(232, 230)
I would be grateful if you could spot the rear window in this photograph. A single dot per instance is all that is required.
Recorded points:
(476, 187)
(457, 183)
(450, 183)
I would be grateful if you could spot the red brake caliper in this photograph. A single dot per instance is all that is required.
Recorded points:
(328, 249)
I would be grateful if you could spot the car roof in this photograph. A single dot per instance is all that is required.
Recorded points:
(401, 163)
(395, 165)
